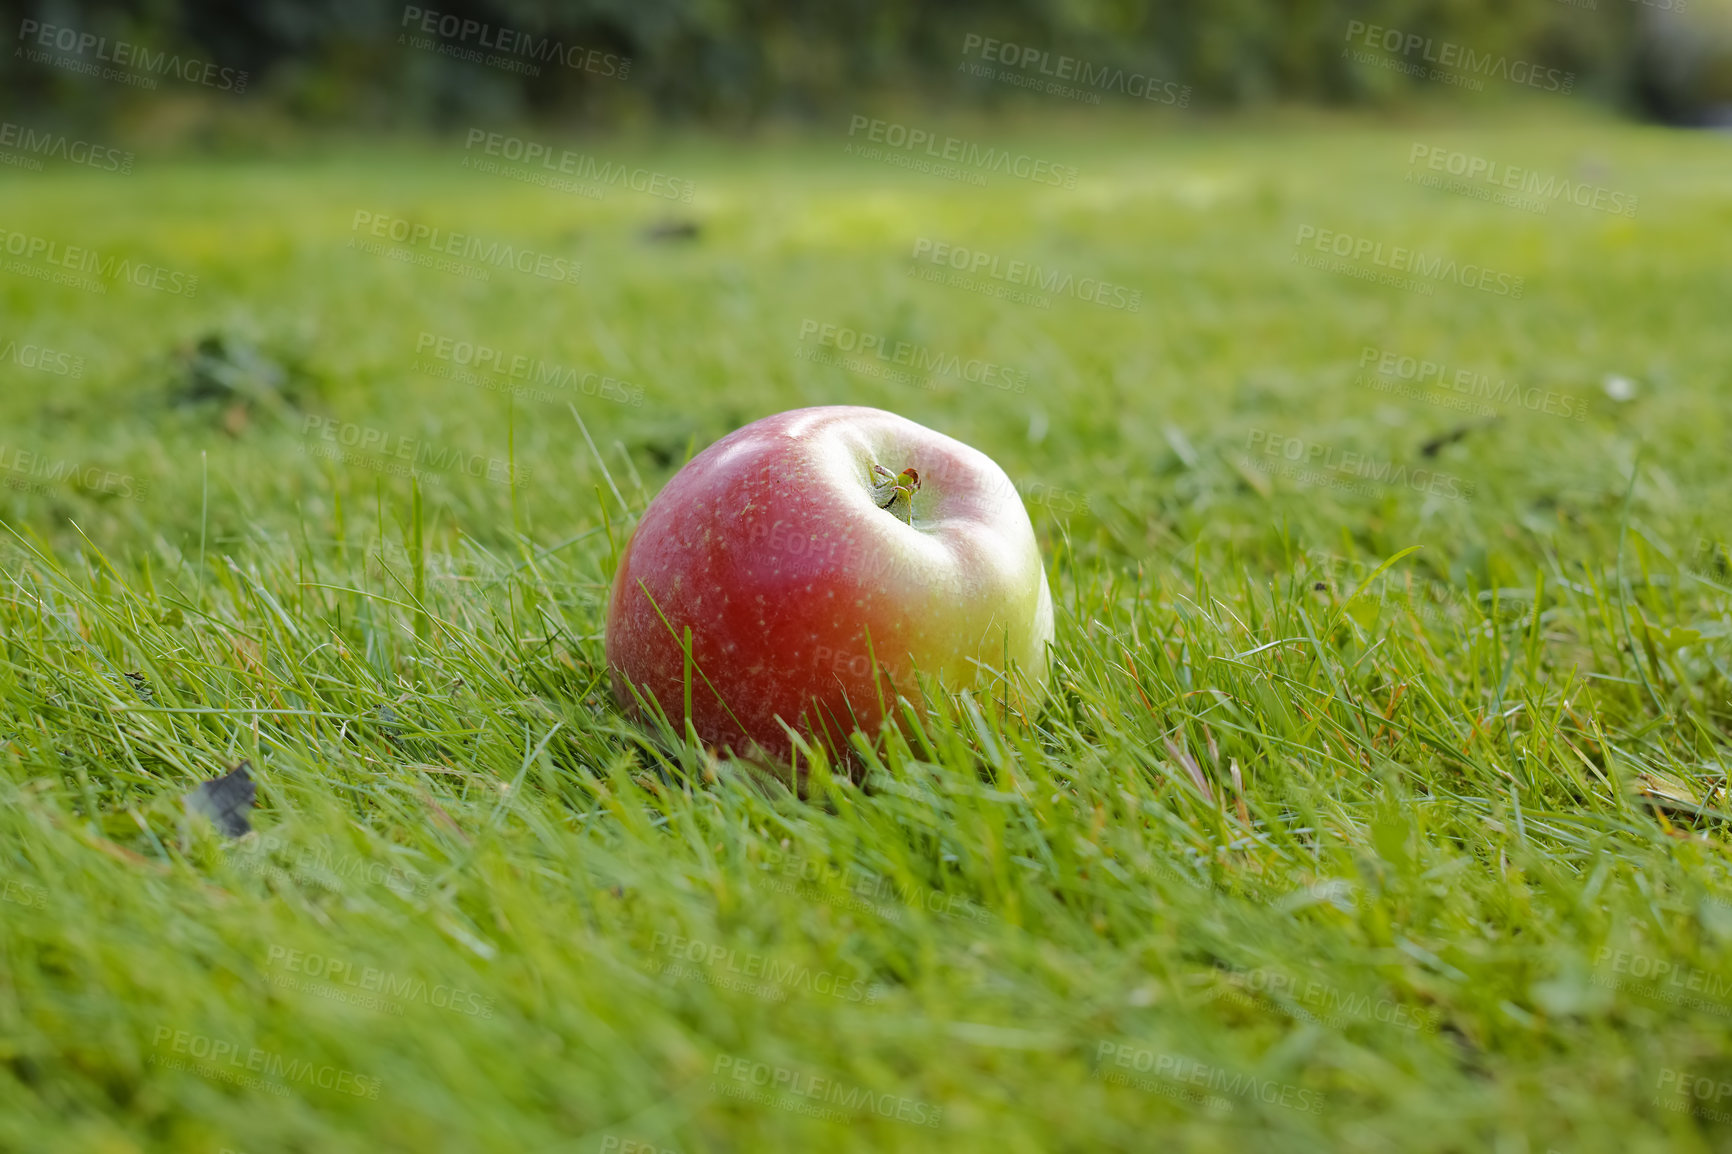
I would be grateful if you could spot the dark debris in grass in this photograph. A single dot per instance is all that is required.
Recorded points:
(237, 379)
(225, 800)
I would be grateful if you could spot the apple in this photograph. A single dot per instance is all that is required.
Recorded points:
(819, 558)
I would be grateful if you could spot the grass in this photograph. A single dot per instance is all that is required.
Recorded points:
(1319, 844)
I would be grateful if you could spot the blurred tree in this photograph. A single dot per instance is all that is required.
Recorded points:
(384, 63)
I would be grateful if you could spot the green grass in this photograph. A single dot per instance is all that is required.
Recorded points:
(1341, 864)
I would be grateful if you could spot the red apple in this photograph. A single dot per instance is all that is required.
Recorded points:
(819, 558)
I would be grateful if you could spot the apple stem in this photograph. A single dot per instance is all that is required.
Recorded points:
(894, 492)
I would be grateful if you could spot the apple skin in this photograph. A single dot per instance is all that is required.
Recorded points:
(771, 547)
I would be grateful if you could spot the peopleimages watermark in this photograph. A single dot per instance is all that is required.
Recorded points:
(1197, 1082)
(923, 150)
(1464, 389)
(614, 1144)
(1685, 1093)
(1313, 462)
(75, 266)
(813, 1095)
(1033, 491)
(843, 552)
(1040, 493)
(34, 146)
(368, 987)
(841, 662)
(42, 359)
(753, 973)
(776, 538)
(1323, 1004)
(1713, 560)
(24, 894)
(250, 1067)
(549, 167)
(1507, 184)
(1014, 280)
(862, 889)
(324, 867)
(527, 378)
(507, 49)
(454, 252)
(1664, 980)
(134, 64)
(1458, 64)
(1424, 597)
(1397, 259)
(1090, 79)
(890, 355)
(393, 453)
(34, 473)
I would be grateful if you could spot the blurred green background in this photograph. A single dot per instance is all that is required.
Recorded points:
(349, 65)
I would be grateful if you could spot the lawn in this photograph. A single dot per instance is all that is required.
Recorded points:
(1379, 804)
